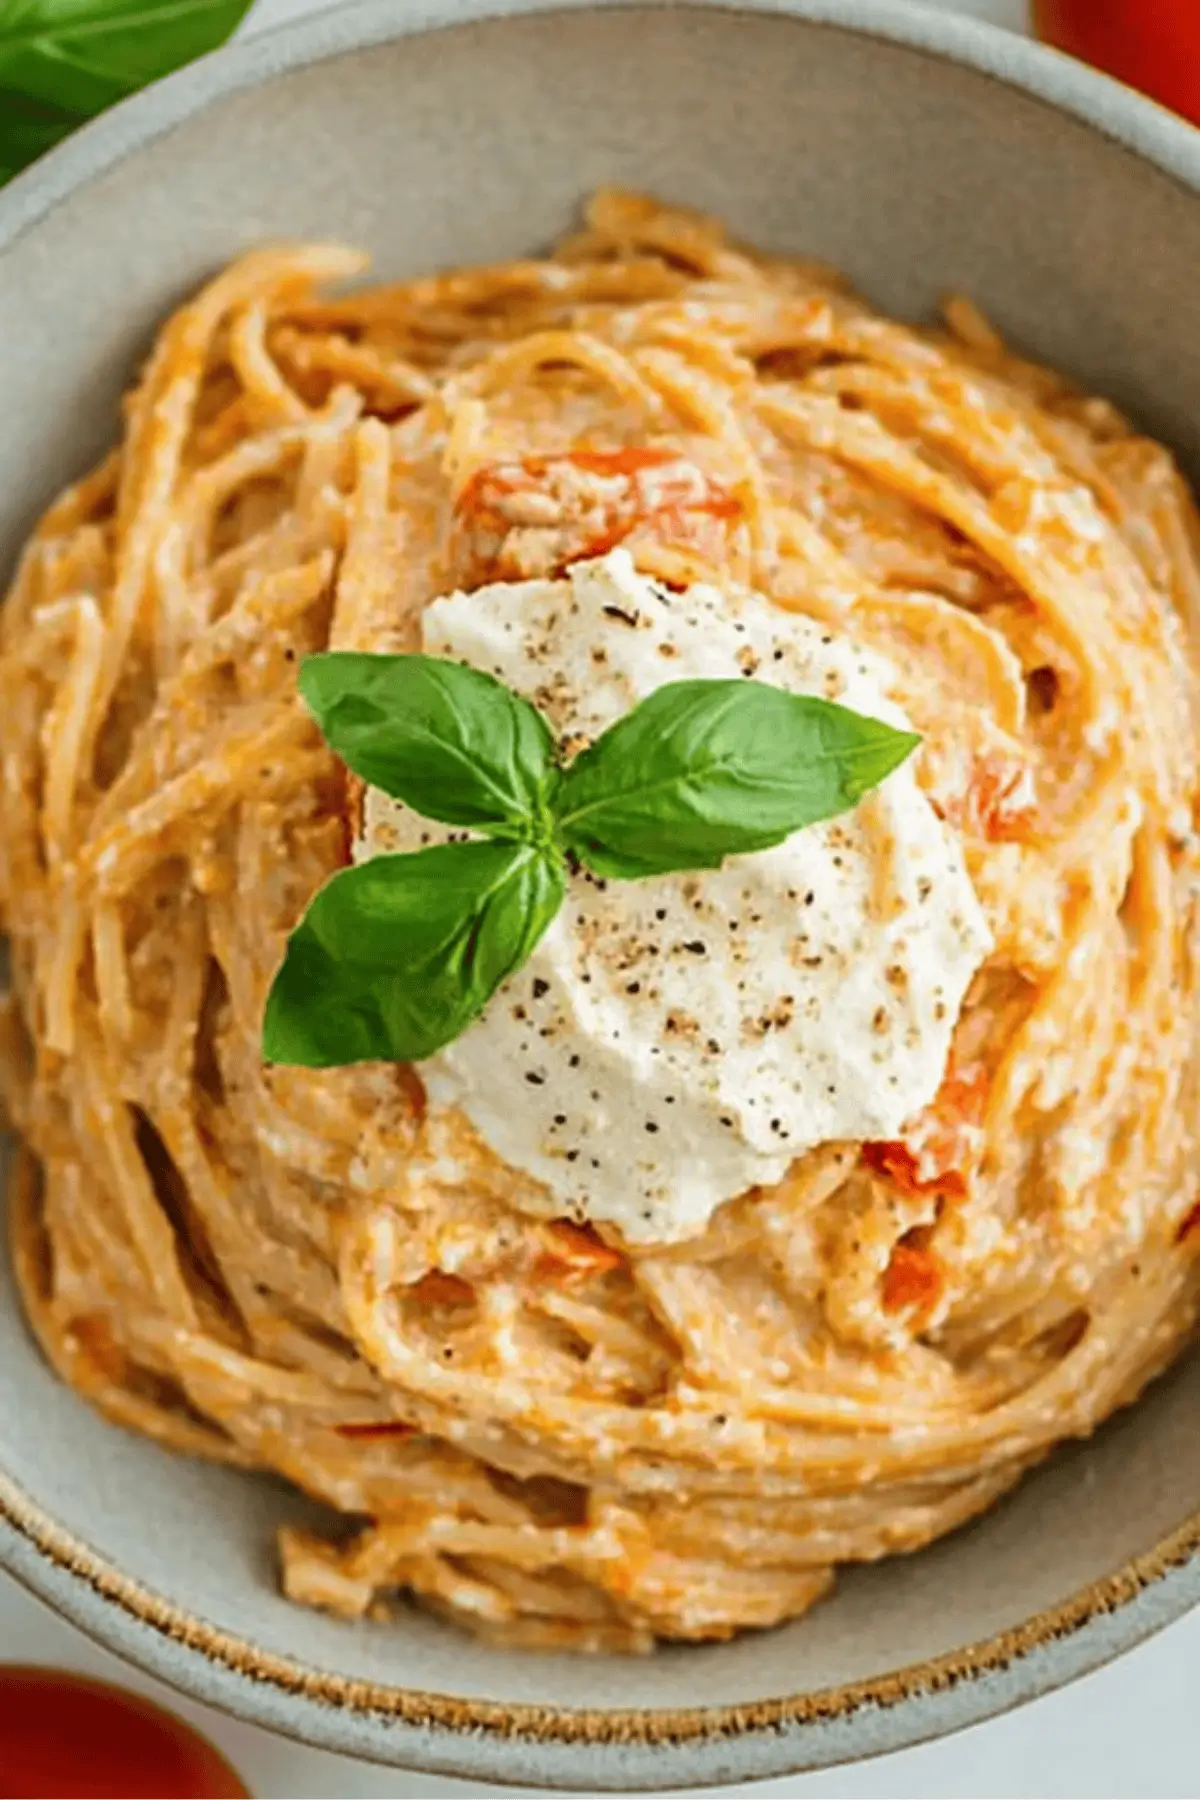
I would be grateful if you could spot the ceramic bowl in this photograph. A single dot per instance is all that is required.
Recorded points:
(921, 153)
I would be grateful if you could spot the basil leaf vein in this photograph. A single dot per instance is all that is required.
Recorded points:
(702, 770)
(62, 61)
(450, 741)
(397, 956)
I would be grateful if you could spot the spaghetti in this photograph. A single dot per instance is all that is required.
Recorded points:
(555, 1437)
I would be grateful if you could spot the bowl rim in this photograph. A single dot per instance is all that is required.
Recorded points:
(619, 1749)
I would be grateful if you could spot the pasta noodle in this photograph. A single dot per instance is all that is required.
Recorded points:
(549, 1435)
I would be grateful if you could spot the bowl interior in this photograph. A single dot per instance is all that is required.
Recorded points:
(477, 142)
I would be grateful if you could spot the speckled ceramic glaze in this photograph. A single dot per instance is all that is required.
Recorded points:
(920, 152)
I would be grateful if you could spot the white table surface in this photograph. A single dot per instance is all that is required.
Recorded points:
(1132, 1729)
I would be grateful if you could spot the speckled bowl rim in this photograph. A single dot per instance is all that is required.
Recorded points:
(619, 1749)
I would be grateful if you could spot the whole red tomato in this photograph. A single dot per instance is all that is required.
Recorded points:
(1151, 44)
(63, 1736)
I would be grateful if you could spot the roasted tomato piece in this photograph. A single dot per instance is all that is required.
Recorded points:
(1001, 802)
(437, 1289)
(998, 804)
(516, 520)
(941, 1145)
(574, 1253)
(914, 1278)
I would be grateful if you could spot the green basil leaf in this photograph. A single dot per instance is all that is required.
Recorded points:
(83, 55)
(702, 770)
(396, 957)
(451, 742)
(62, 61)
(28, 129)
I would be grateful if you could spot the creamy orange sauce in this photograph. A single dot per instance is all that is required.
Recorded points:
(583, 1441)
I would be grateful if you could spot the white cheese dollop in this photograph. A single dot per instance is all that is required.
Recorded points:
(675, 1041)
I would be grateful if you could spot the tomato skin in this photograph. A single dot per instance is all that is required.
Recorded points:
(914, 1277)
(66, 1737)
(942, 1143)
(514, 520)
(1153, 45)
(574, 1253)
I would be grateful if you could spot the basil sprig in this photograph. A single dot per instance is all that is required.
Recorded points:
(395, 957)
(63, 61)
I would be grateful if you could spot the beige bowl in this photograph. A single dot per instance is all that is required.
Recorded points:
(918, 151)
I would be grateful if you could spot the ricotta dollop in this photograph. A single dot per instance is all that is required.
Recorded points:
(675, 1041)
